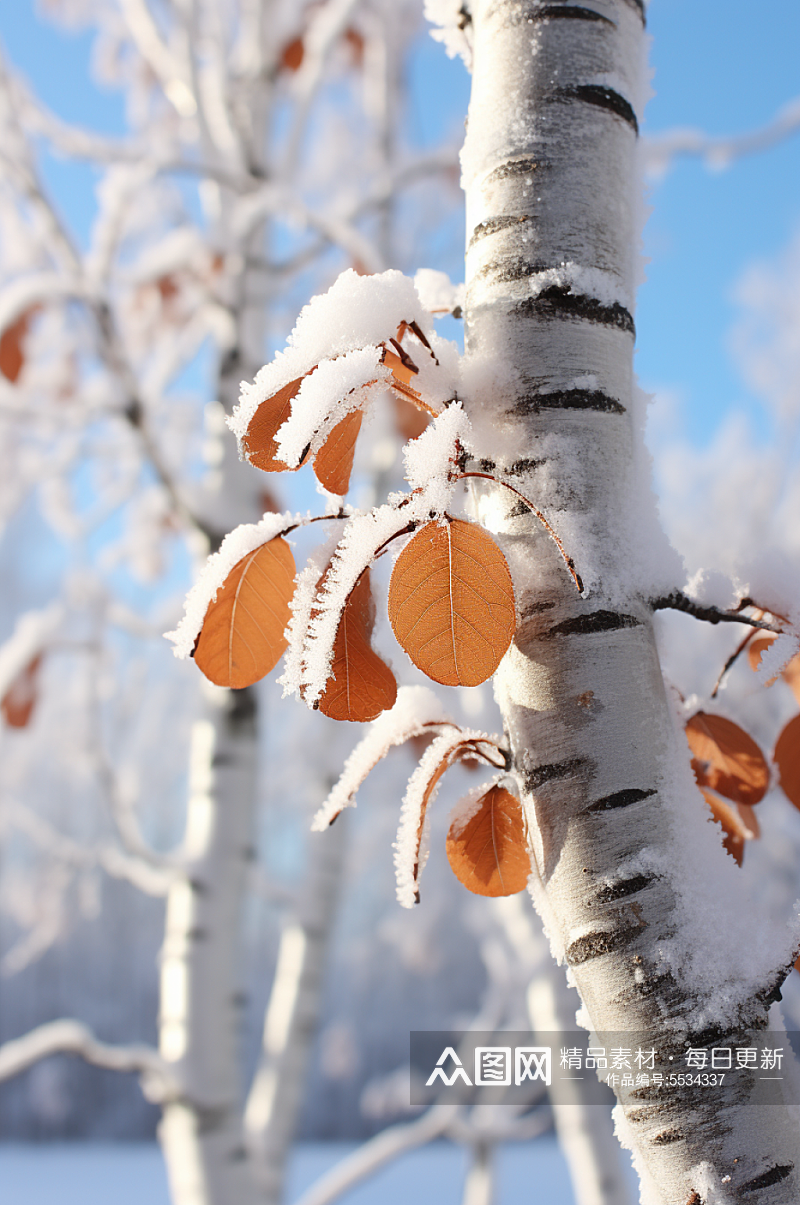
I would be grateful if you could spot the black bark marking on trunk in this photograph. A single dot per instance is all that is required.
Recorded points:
(639, 6)
(537, 608)
(515, 167)
(569, 399)
(661, 988)
(584, 625)
(548, 11)
(519, 467)
(625, 887)
(510, 270)
(595, 945)
(668, 1136)
(768, 1178)
(713, 1035)
(536, 776)
(493, 225)
(559, 301)
(602, 98)
(619, 799)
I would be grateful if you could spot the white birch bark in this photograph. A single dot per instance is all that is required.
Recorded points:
(631, 880)
(201, 964)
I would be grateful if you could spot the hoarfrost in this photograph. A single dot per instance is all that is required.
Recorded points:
(238, 543)
(437, 382)
(470, 804)
(777, 657)
(333, 390)
(437, 292)
(356, 311)
(417, 709)
(448, 16)
(411, 846)
(430, 459)
(591, 282)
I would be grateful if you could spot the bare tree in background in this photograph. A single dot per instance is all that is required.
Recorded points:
(264, 151)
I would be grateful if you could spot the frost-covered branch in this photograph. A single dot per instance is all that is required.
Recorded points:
(678, 601)
(377, 1152)
(661, 150)
(139, 871)
(158, 56)
(72, 1037)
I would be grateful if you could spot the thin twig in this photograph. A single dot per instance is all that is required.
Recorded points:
(678, 601)
(568, 561)
(734, 657)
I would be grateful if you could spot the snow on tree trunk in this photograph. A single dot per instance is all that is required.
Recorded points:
(635, 891)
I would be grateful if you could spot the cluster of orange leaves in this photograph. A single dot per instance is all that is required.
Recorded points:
(451, 598)
(451, 606)
(730, 768)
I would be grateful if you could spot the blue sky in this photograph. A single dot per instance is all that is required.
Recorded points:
(717, 66)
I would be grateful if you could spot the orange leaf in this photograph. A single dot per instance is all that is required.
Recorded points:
(489, 854)
(292, 54)
(242, 638)
(355, 42)
(736, 831)
(409, 419)
(452, 753)
(12, 353)
(403, 373)
(19, 700)
(168, 287)
(451, 603)
(259, 443)
(726, 759)
(787, 759)
(791, 675)
(757, 647)
(334, 461)
(362, 685)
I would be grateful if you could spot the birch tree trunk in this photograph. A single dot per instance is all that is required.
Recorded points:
(202, 962)
(201, 967)
(622, 853)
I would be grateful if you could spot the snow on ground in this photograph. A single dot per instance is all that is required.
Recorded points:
(133, 1173)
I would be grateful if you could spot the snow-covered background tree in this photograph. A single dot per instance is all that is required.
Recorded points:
(262, 150)
(140, 330)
